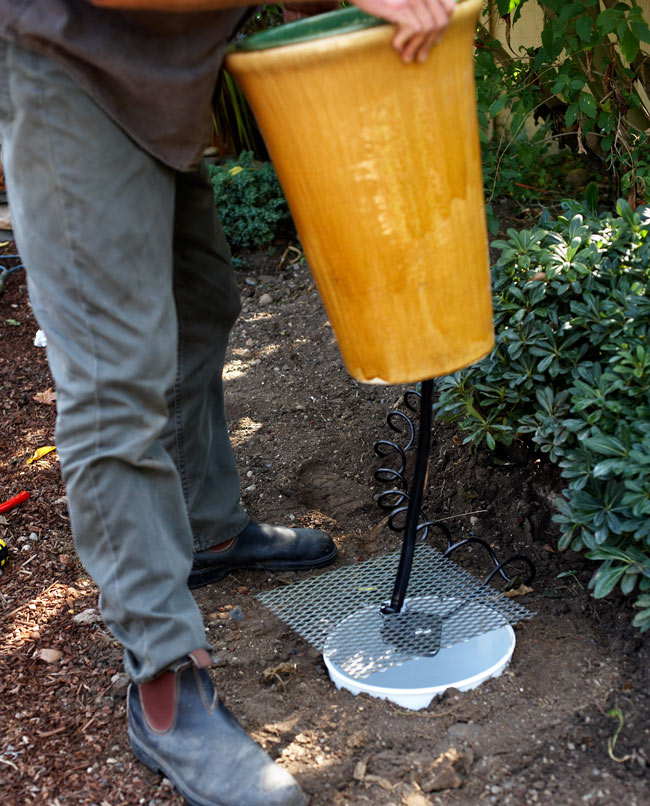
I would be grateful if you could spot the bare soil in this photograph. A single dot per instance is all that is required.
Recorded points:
(303, 433)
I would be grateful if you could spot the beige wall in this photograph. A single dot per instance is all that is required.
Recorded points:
(527, 30)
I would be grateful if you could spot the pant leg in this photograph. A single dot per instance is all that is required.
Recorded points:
(93, 218)
(208, 303)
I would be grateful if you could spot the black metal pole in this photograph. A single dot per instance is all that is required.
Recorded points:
(415, 502)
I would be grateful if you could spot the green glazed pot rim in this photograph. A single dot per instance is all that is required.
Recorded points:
(332, 23)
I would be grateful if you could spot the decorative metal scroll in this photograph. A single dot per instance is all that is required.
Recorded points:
(395, 500)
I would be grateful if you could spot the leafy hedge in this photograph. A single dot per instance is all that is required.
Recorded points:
(570, 375)
(585, 79)
(250, 201)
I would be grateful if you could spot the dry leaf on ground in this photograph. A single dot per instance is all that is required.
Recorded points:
(39, 453)
(48, 397)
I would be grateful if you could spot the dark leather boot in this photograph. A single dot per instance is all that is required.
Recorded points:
(178, 726)
(260, 545)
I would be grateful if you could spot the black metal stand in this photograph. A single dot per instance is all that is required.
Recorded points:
(414, 504)
(416, 522)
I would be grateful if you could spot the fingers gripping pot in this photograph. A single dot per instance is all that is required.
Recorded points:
(380, 164)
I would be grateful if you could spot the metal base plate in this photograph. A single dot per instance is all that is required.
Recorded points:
(446, 606)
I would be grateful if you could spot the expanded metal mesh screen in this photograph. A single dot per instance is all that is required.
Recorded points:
(338, 612)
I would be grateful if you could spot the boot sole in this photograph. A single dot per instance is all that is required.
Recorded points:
(197, 579)
(156, 767)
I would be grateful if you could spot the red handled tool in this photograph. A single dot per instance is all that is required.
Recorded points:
(13, 502)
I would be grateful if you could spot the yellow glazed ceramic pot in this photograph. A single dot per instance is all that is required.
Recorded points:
(380, 164)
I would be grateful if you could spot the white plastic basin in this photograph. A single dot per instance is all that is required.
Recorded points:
(414, 683)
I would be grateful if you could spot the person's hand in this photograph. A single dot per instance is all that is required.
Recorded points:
(420, 23)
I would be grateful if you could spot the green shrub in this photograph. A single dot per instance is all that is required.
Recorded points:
(586, 81)
(250, 201)
(570, 375)
(516, 164)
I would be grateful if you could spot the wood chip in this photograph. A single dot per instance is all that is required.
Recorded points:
(48, 397)
(49, 655)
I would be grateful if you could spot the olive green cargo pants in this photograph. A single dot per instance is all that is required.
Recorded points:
(129, 276)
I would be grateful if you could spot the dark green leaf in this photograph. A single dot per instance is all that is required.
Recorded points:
(497, 105)
(628, 583)
(584, 27)
(588, 104)
(641, 31)
(629, 45)
(608, 20)
(605, 445)
(605, 580)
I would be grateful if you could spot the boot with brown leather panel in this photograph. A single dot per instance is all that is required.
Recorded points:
(179, 727)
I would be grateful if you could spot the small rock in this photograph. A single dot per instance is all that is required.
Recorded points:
(265, 299)
(64, 559)
(236, 614)
(384, 783)
(120, 683)
(40, 339)
(90, 616)
(49, 655)
(360, 769)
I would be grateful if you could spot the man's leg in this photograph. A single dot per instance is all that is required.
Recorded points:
(94, 216)
(207, 300)
(208, 303)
